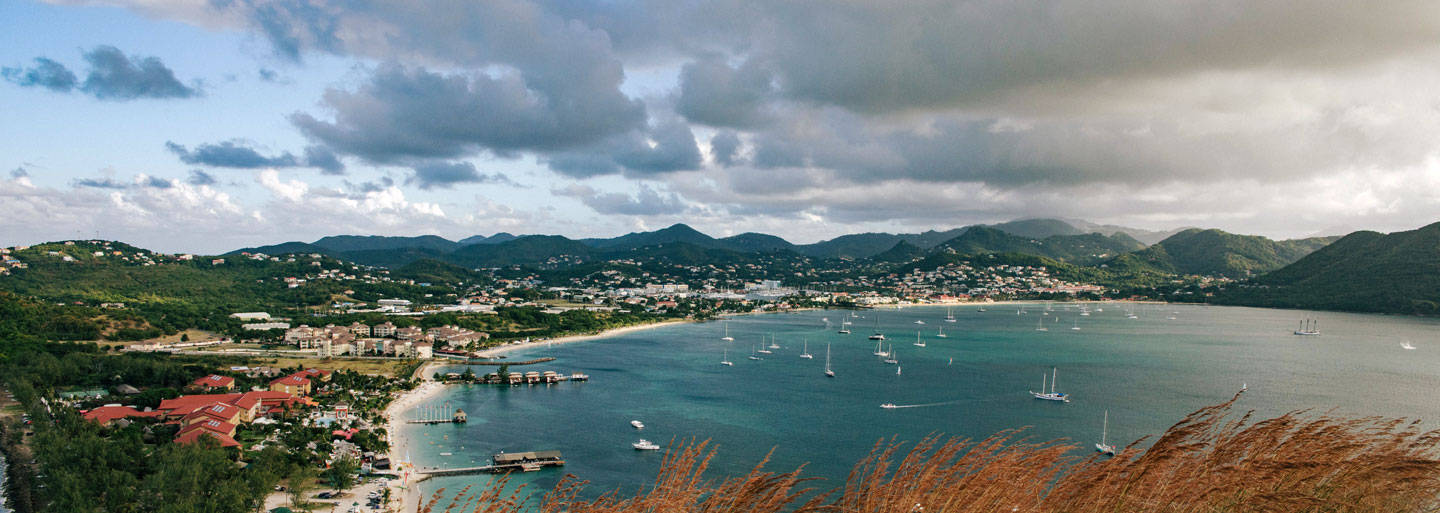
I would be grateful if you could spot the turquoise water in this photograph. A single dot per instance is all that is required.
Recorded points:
(1148, 372)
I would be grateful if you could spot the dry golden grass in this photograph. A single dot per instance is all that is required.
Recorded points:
(1209, 462)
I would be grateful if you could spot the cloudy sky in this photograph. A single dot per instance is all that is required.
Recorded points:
(207, 125)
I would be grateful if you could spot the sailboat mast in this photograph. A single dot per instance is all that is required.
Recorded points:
(1054, 372)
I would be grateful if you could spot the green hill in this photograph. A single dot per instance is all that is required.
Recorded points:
(1076, 249)
(902, 252)
(751, 242)
(527, 249)
(674, 233)
(1364, 271)
(345, 243)
(1217, 253)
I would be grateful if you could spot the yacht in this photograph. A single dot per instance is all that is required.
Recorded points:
(773, 345)
(889, 406)
(941, 334)
(637, 424)
(727, 336)
(918, 341)
(891, 357)
(950, 314)
(1076, 327)
(752, 353)
(1308, 327)
(1052, 395)
(762, 349)
(725, 358)
(1407, 345)
(1102, 447)
(805, 350)
(880, 351)
(645, 445)
(877, 335)
(917, 321)
(1040, 324)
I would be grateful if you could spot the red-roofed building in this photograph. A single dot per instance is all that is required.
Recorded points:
(214, 382)
(211, 425)
(109, 414)
(315, 374)
(195, 434)
(222, 412)
(295, 384)
(187, 404)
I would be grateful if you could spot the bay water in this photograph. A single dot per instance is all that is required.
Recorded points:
(1148, 372)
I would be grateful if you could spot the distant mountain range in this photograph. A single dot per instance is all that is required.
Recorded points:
(1189, 251)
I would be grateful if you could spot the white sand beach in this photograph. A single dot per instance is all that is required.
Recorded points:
(516, 346)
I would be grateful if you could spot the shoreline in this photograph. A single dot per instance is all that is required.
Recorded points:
(570, 339)
(403, 490)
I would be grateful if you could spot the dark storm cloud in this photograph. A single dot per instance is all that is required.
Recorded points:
(402, 113)
(114, 76)
(713, 93)
(198, 177)
(645, 202)
(725, 148)
(45, 73)
(665, 148)
(446, 175)
(237, 154)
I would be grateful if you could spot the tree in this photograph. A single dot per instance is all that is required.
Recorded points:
(302, 480)
(341, 473)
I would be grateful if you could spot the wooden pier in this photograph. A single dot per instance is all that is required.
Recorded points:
(437, 415)
(504, 462)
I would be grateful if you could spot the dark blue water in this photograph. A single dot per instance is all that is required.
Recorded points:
(1148, 372)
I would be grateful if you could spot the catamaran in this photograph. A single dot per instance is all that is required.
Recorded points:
(949, 314)
(727, 336)
(1308, 327)
(918, 342)
(805, 349)
(1102, 447)
(725, 358)
(1052, 395)
(828, 373)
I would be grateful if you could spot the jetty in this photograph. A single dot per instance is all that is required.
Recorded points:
(438, 415)
(504, 462)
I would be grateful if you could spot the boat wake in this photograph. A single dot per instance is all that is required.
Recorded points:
(890, 406)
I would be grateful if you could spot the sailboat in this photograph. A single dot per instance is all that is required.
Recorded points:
(1040, 324)
(845, 327)
(727, 336)
(805, 349)
(828, 373)
(1308, 327)
(877, 335)
(752, 353)
(773, 345)
(897, 369)
(1407, 345)
(949, 314)
(725, 358)
(880, 351)
(1052, 395)
(762, 349)
(1102, 447)
(941, 334)
(892, 359)
(918, 342)
(1076, 327)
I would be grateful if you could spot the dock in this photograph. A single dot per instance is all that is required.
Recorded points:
(504, 462)
(437, 415)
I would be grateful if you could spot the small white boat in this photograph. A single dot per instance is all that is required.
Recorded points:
(447, 454)
(941, 334)
(950, 314)
(637, 424)
(773, 345)
(1407, 345)
(1040, 324)
(982, 309)
(1076, 327)
(762, 349)
(1102, 447)
(897, 370)
(752, 353)
(889, 406)
(918, 341)
(919, 322)
(727, 336)
(880, 351)
(725, 358)
(645, 445)
(805, 350)
(891, 357)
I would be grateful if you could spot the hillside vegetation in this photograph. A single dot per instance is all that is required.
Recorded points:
(1217, 253)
